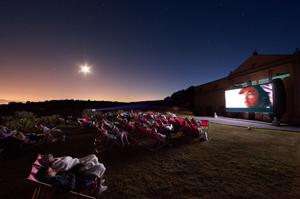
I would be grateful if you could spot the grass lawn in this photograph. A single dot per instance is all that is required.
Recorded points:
(234, 163)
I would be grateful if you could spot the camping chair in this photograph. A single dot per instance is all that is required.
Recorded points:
(205, 125)
(84, 122)
(46, 191)
(148, 140)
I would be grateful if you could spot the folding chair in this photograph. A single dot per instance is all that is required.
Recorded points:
(46, 191)
(205, 125)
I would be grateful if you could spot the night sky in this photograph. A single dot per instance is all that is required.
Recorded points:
(138, 49)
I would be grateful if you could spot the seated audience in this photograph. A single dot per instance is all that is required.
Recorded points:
(72, 173)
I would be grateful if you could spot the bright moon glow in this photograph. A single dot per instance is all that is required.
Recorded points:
(85, 69)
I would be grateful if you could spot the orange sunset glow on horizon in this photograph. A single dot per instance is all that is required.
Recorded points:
(41, 84)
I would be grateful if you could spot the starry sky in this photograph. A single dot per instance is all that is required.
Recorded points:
(138, 49)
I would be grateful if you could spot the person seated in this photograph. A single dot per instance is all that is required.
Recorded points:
(175, 123)
(19, 135)
(5, 132)
(85, 121)
(142, 128)
(51, 134)
(130, 126)
(180, 120)
(160, 136)
(34, 137)
(67, 169)
(45, 130)
(13, 142)
(71, 180)
(121, 135)
(155, 124)
(166, 129)
(124, 138)
(185, 127)
(58, 134)
(69, 119)
(104, 132)
(171, 115)
(195, 129)
(107, 124)
(194, 122)
(164, 119)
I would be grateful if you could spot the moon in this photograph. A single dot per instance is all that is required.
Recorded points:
(85, 69)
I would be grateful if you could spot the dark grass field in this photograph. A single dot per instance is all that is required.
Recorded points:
(234, 163)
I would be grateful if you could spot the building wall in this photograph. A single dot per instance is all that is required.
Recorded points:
(210, 97)
(295, 107)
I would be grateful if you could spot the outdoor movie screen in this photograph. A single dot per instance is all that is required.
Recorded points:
(257, 98)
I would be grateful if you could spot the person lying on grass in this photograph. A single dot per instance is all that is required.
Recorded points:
(28, 138)
(7, 133)
(72, 173)
(51, 134)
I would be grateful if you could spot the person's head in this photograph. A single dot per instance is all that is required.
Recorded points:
(39, 126)
(46, 160)
(51, 171)
(45, 172)
(4, 129)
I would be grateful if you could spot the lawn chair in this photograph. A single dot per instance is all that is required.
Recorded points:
(147, 139)
(205, 125)
(45, 191)
(84, 122)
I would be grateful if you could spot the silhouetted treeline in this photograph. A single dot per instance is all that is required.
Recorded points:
(182, 98)
(63, 107)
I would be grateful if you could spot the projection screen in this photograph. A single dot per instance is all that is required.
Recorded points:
(257, 98)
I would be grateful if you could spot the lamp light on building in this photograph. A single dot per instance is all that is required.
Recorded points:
(215, 115)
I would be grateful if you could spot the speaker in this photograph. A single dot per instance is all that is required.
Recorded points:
(279, 98)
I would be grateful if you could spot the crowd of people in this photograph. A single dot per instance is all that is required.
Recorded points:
(120, 125)
(85, 175)
(12, 141)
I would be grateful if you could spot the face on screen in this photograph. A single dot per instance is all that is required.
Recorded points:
(258, 97)
(251, 96)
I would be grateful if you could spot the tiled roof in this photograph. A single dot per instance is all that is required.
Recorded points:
(258, 61)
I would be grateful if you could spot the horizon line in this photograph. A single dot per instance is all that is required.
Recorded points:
(6, 102)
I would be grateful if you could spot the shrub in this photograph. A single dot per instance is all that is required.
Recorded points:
(25, 121)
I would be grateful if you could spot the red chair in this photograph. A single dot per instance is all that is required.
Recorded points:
(180, 120)
(45, 191)
(205, 125)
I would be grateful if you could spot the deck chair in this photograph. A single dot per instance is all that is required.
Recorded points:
(205, 125)
(149, 140)
(46, 191)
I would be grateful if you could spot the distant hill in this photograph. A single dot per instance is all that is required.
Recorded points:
(67, 107)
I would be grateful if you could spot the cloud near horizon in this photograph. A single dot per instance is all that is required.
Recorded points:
(3, 101)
